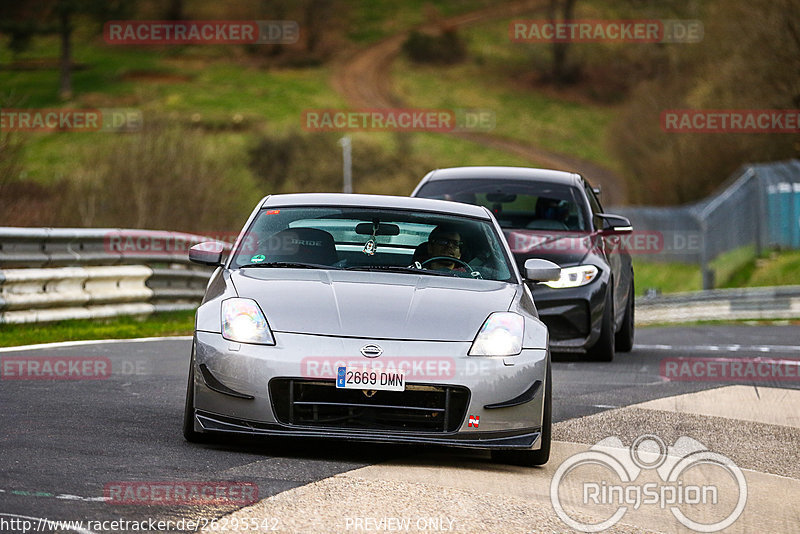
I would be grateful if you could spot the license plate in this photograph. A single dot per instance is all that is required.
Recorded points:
(378, 379)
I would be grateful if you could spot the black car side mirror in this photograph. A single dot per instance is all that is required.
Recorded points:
(613, 224)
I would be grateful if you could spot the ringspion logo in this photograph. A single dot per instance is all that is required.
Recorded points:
(703, 490)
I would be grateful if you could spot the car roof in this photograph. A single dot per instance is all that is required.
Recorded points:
(504, 173)
(375, 201)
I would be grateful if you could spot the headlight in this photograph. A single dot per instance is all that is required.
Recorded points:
(500, 335)
(244, 322)
(574, 276)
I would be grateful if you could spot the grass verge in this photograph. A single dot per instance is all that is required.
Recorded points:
(775, 269)
(545, 120)
(666, 277)
(737, 268)
(162, 324)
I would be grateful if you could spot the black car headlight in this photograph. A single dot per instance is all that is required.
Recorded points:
(574, 277)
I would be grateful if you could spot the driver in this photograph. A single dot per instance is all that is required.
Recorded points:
(445, 241)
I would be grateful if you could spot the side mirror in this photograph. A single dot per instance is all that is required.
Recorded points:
(537, 270)
(207, 253)
(597, 191)
(613, 224)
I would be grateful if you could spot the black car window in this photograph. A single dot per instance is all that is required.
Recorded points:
(594, 203)
(517, 204)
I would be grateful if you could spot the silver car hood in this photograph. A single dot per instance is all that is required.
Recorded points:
(373, 305)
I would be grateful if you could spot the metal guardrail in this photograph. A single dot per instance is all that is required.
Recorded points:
(758, 208)
(50, 274)
(782, 302)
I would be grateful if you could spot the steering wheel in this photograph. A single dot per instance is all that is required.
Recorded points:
(448, 258)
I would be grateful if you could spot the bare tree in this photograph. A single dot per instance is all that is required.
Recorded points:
(565, 10)
(23, 20)
(64, 12)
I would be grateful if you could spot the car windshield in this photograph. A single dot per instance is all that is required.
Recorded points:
(516, 204)
(361, 238)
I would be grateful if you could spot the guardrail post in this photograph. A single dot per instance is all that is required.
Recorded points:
(707, 272)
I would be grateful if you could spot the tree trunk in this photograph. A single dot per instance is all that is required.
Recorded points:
(175, 10)
(65, 29)
(560, 48)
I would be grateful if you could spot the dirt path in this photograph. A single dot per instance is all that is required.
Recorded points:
(364, 79)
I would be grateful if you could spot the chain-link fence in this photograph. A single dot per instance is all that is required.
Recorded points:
(758, 208)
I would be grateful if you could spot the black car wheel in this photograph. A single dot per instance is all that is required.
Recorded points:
(624, 339)
(603, 349)
(542, 455)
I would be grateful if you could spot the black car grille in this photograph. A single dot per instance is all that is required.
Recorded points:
(318, 403)
(571, 320)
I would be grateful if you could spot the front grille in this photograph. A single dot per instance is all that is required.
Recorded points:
(320, 403)
(565, 322)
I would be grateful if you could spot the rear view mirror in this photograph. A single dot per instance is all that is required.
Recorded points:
(502, 198)
(207, 253)
(537, 270)
(383, 229)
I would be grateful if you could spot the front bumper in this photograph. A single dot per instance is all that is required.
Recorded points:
(503, 395)
(573, 315)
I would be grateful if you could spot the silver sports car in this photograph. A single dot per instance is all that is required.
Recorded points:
(374, 318)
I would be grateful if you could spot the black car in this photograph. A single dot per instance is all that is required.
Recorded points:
(557, 216)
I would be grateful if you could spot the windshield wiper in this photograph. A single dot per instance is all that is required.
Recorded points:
(396, 269)
(289, 265)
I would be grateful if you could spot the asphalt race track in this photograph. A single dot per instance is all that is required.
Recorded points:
(63, 441)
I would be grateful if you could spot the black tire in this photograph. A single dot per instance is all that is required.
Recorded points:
(542, 455)
(603, 349)
(189, 433)
(623, 341)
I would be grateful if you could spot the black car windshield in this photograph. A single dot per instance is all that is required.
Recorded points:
(372, 239)
(517, 204)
